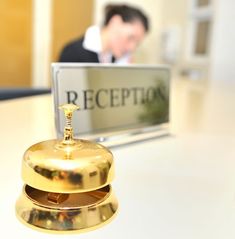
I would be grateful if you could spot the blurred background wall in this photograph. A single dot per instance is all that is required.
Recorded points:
(195, 37)
(32, 35)
(16, 42)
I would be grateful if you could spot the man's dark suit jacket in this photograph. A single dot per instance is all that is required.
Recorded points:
(74, 52)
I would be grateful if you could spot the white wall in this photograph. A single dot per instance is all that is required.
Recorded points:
(174, 19)
(42, 10)
(223, 43)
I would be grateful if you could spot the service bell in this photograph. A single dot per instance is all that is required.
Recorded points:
(67, 183)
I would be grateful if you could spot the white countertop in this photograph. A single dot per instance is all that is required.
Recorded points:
(182, 186)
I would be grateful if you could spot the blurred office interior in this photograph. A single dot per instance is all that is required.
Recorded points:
(195, 37)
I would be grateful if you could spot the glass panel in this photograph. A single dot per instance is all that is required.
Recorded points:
(202, 35)
(203, 3)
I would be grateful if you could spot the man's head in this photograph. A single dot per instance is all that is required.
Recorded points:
(127, 27)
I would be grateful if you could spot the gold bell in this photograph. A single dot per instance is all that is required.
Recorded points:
(67, 183)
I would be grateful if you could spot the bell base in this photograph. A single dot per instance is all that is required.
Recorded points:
(73, 213)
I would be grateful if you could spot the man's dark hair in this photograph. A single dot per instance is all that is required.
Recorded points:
(127, 13)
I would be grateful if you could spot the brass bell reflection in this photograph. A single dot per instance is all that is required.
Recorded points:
(67, 183)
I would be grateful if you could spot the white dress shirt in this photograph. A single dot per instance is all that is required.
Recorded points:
(92, 42)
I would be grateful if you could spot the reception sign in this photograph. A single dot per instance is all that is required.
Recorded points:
(111, 98)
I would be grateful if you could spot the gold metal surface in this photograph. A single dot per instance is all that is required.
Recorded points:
(68, 130)
(67, 183)
(67, 166)
(78, 212)
(85, 166)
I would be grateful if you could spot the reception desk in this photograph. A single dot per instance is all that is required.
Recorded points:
(179, 186)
